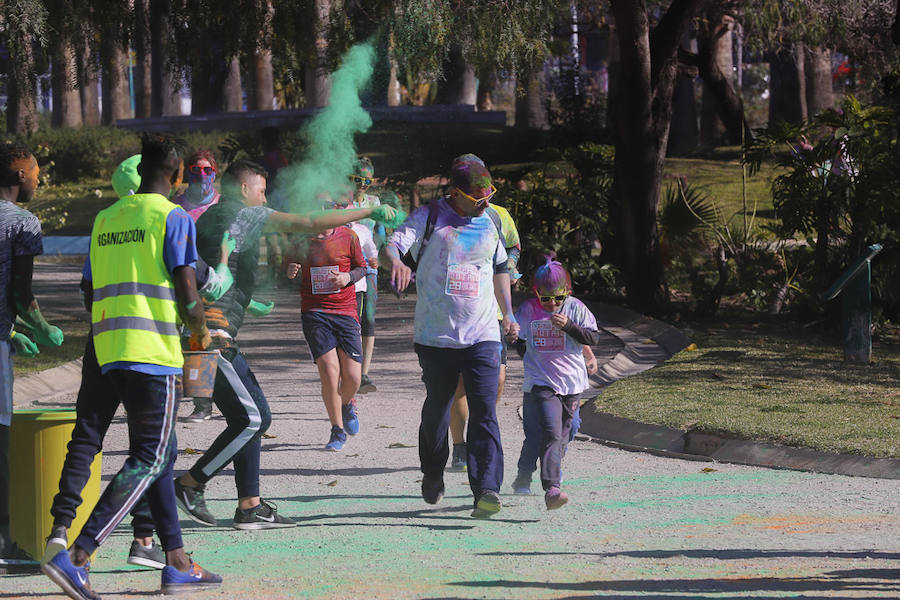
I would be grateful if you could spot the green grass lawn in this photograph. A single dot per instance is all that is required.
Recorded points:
(773, 382)
(720, 177)
(75, 332)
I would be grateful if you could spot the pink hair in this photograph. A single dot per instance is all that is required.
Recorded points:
(551, 276)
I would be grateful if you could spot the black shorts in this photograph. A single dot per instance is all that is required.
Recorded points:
(365, 309)
(325, 332)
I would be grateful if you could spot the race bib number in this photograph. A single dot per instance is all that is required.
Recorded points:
(463, 281)
(547, 338)
(321, 284)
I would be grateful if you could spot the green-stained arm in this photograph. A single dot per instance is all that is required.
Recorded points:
(27, 306)
(325, 219)
(24, 346)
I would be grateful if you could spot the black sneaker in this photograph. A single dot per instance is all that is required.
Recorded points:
(152, 557)
(262, 516)
(56, 541)
(192, 502)
(487, 506)
(202, 412)
(366, 385)
(432, 488)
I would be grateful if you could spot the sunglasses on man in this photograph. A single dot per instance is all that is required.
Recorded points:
(198, 170)
(366, 181)
(478, 202)
(559, 298)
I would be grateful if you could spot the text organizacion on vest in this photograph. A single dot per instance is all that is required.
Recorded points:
(121, 237)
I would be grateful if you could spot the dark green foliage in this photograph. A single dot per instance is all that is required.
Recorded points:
(562, 207)
(842, 194)
(86, 152)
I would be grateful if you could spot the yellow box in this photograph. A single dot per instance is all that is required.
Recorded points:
(37, 451)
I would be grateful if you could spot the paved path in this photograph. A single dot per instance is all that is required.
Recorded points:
(637, 526)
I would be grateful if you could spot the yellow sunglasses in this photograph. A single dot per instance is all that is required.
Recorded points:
(483, 199)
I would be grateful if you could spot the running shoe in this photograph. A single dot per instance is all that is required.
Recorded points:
(487, 506)
(196, 578)
(366, 385)
(351, 419)
(202, 412)
(459, 461)
(337, 440)
(192, 502)
(152, 557)
(432, 488)
(555, 498)
(73, 580)
(262, 516)
(56, 541)
(522, 484)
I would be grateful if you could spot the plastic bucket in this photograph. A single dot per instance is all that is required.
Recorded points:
(37, 442)
(199, 375)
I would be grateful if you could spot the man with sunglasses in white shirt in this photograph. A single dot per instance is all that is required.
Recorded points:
(461, 277)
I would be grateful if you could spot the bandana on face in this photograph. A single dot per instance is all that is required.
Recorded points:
(200, 187)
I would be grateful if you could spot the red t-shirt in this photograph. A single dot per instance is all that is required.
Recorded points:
(340, 250)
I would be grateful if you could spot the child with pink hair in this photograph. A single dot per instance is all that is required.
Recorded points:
(554, 328)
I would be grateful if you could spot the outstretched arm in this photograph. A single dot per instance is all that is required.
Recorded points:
(325, 219)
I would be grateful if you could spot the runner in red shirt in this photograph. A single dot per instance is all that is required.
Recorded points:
(332, 263)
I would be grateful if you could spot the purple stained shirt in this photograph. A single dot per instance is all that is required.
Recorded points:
(179, 250)
(455, 303)
(553, 358)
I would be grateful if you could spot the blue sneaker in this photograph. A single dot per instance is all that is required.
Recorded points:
(196, 578)
(351, 420)
(73, 580)
(338, 439)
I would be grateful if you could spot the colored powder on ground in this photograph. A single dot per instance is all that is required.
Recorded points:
(331, 148)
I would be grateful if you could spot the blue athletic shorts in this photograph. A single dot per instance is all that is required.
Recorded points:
(325, 332)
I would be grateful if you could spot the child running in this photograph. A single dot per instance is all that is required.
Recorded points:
(555, 326)
(332, 263)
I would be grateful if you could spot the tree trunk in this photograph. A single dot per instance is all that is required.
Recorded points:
(684, 134)
(165, 97)
(487, 83)
(819, 91)
(649, 65)
(715, 40)
(87, 80)
(21, 104)
(458, 86)
(723, 120)
(202, 95)
(613, 75)
(318, 79)
(66, 99)
(143, 70)
(531, 112)
(114, 80)
(787, 85)
(234, 101)
(263, 89)
(394, 97)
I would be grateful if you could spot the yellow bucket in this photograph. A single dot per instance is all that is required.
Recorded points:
(37, 441)
(199, 375)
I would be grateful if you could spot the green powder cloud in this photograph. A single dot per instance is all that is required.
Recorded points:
(331, 148)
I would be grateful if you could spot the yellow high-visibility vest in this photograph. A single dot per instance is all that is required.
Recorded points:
(134, 317)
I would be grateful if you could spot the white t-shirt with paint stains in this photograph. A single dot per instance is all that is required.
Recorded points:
(455, 307)
(553, 358)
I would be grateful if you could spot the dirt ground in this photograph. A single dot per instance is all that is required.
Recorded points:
(637, 526)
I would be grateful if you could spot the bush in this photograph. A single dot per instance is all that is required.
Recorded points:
(84, 152)
(562, 207)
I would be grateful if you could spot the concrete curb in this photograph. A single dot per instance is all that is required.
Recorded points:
(44, 385)
(645, 343)
(697, 445)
